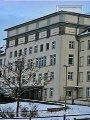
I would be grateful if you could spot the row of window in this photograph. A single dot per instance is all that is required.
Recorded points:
(82, 45)
(40, 62)
(46, 77)
(51, 92)
(81, 77)
(35, 49)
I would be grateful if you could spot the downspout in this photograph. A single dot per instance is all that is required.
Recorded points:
(77, 39)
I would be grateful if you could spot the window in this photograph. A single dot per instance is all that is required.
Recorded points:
(30, 50)
(36, 49)
(40, 77)
(68, 93)
(88, 92)
(71, 44)
(53, 45)
(88, 60)
(81, 77)
(41, 61)
(25, 51)
(45, 92)
(15, 54)
(70, 75)
(82, 45)
(81, 61)
(13, 80)
(53, 59)
(10, 67)
(41, 48)
(71, 60)
(47, 46)
(34, 77)
(0, 62)
(46, 76)
(88, 76)
(51, 92)
(52, 75)
(37, 61)
(20, 52)
(0, 73)
(29, 65)
(88, 44)
(10, 55)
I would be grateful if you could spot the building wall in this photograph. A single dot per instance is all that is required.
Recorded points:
(84, 67)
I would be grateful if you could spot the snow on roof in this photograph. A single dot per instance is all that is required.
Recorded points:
(87, 31)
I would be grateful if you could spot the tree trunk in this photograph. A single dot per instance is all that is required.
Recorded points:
(17, 109)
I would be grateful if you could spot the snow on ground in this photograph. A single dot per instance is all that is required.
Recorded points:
(73, 110)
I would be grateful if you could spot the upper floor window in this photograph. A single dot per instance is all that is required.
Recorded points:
(41, 48)
(53, 59)
(25, 51)
(88, 44)
(88, 76)
(71, 59)
(53, 45)
(81, 61)
(0, 62)
(15, 54)
(30, 50)
(34, 77)
(71, 44)
(88, 60)
(36, 49)
(52, 75)
(82, 45)
(20, 52)
(29, 63)
(47, 46)
(10, 67)
(70, 75)
(41, 61)
(51, 92)
(40, 77)
(10, 55)
(46, 76)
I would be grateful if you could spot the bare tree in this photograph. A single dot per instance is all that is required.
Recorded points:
(13, 83)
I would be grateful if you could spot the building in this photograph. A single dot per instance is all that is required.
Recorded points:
(53, 41)
(2, 62)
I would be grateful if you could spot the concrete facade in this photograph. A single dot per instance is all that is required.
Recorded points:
(56, 38)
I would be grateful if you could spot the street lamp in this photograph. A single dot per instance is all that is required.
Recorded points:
(66, 65)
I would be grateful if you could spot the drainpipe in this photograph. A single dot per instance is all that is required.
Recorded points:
(77, 39)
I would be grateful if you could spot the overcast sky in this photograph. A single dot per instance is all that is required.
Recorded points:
(14, 12)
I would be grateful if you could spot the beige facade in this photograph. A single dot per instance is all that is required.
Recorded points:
(54, 38)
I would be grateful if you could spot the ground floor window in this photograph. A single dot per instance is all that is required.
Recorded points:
(88, 92)
(51, 92)
(45, 92)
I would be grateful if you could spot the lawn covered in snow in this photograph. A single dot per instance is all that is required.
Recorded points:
(73, 110)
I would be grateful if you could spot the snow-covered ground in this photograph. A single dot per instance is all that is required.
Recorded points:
(73, 110)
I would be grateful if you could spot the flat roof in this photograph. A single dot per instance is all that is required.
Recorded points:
(47, 16)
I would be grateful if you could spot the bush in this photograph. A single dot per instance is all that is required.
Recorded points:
(7, 112)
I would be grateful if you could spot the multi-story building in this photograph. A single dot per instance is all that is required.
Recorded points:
(2, 63)
(53, 41)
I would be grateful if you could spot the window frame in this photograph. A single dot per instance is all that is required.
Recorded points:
(71, 44)
(41, 48)
(71, 58)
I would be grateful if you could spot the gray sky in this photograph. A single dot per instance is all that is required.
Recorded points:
(14, 12)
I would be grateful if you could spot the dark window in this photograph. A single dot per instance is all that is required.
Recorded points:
(88, 44)
(47, 46)
(41, 48)
(0, 73)
(15, 54)
(71, 59)
(20, 52)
